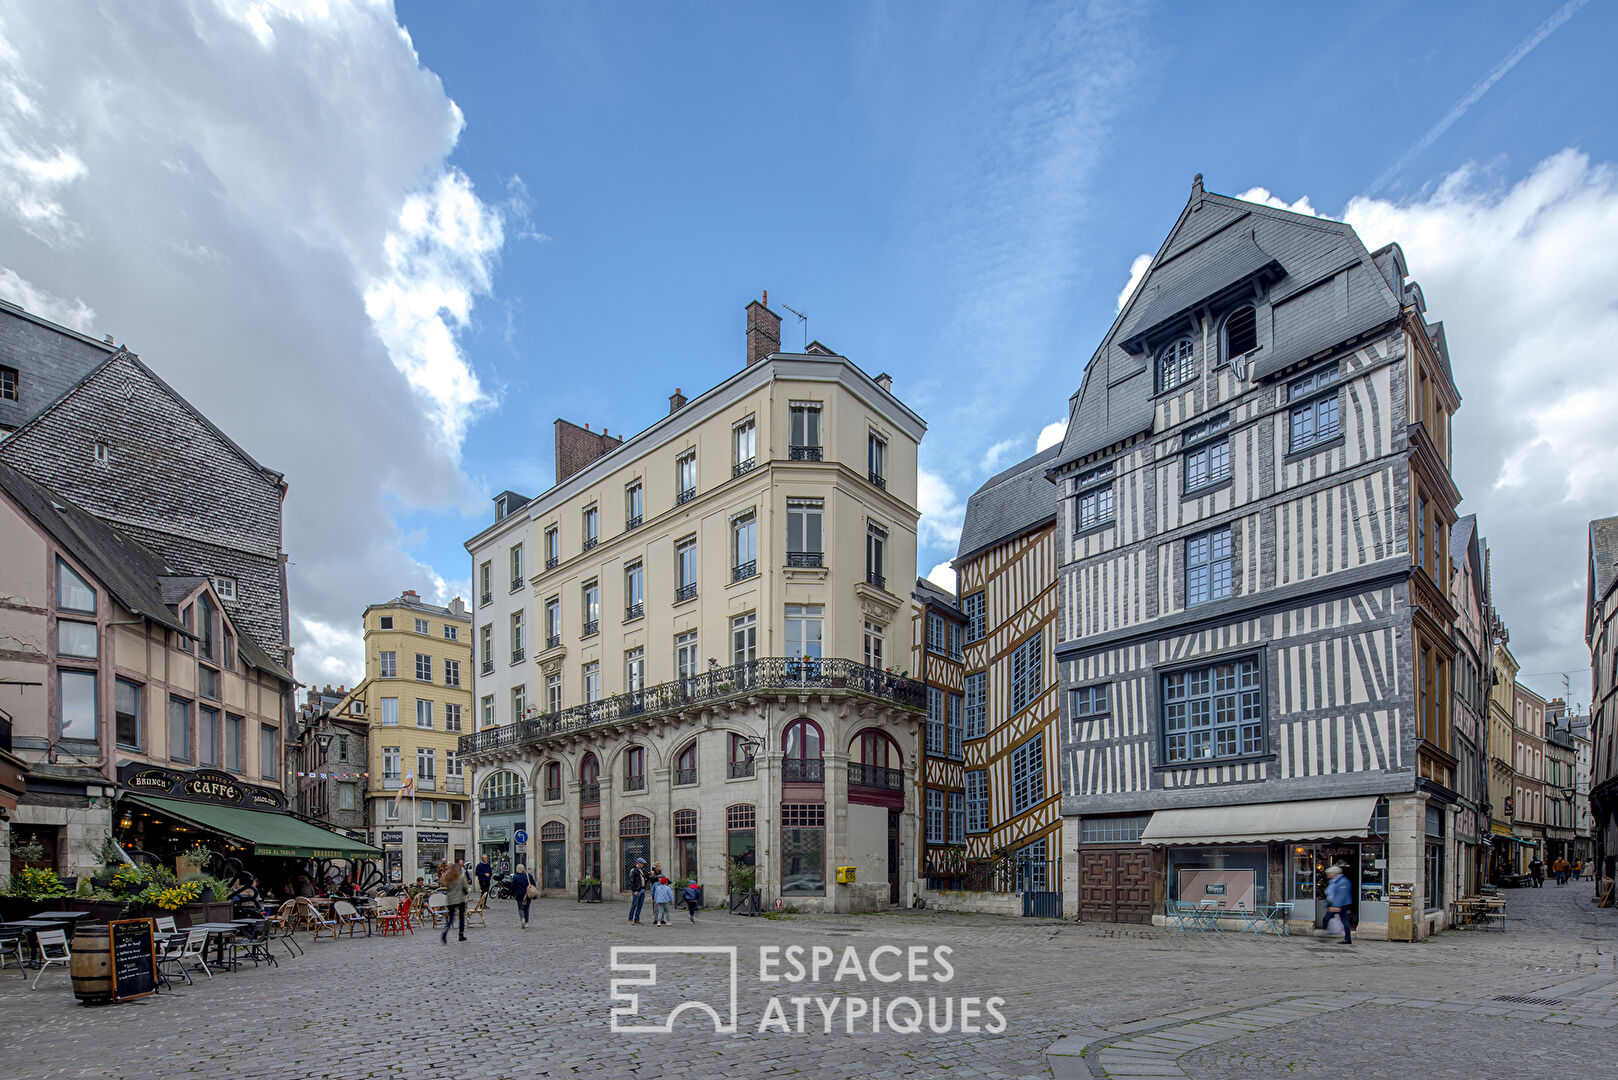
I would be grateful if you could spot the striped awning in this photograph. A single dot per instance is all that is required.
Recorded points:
(1258, 823)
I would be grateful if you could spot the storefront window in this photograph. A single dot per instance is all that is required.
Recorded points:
(803, 849)
(1234, 878)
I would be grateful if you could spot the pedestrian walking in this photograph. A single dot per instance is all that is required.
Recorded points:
(692, 897)
(638, 884)
(453, 880)
(662, 898)
(484, 873)
(1559, 868)
(524, 887)
(1536, 870)
(1339, 897)
(1578, 869)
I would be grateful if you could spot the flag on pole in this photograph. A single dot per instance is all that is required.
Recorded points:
(407, 786)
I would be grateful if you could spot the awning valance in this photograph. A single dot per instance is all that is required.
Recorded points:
(266, 833)
(1257, 823)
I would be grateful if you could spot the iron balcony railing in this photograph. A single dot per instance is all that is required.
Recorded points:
(761, 675)
(426, 783)
(588, 793)
(516, 656)
(685, 496)
(685, 776)
(516, 583)
(634, 611)
(874, 578)
(632, 523)
(685, 592)
(744, 571)
(803, 453)
(453, 785)
(805, 558)
(552, 794)
(879, 480)
(803, 770)
(553, 562)
(502, 804)
(591, 541)
(553, 640)
(486, 599)
(592, 626)
(739, 769)
(861, 775)
(635, 783)
(488, 667)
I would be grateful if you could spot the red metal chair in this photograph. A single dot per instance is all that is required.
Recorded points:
(396, 921)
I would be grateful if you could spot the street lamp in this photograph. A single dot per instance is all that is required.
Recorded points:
(323, 740)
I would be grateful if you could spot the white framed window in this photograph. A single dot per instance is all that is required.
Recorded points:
(485, 583)
(384, 622)
(805, 627)
(426, 766)
(875, 644)
(452, 673)
(634, 504)
(486, 647)
(390, 712)
(452, 632)
(744, 546)
(591, 684)
(553, 621)
(876, 554)
(424, 668)
(452, 717)
(226, 588)
(976, 611)
(805, 520)
(803, 424)
(685, 476)
(391, 763)
(591, 600)
(517, 640)
(687, 661)
(516, 567)
(744, 445)
(634, 590)
(387, 665)
(1176, 364)
(486, 711)
(519, 701)
(553, 547)
(422, 627)
(424, 713)
(592, 527)
(685, 568)
(876, 455)
(553, 693)
(744, 638)
(634, 669)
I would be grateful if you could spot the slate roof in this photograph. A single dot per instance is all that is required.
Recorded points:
(135, 575)
(1604, 554)
(1009, 504)
(1324, 287)
(929, 593)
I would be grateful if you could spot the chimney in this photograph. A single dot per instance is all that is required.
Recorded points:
(885, 381)
(456, 607)
(763, 331)
(577, 446)
(410, 594)
(676, 401)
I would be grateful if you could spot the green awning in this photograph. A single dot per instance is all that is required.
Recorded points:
(268, 834)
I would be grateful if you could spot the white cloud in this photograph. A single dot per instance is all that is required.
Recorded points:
(942, 511)
(256, 198)
(75, 313)
(1525, 280)
(999, 452)
(1051, 434)
(1262, 195)
(1137, 270)
(942, 575)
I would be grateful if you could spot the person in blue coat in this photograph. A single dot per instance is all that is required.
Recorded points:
(1339, 898)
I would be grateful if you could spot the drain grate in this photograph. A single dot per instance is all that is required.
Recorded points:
(1518, 999)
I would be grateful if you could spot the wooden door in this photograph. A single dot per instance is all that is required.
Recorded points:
(1115, 885)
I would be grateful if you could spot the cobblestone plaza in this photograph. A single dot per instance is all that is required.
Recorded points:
(1079, 1001)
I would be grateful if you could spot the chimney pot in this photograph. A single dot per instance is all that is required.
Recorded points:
(676, 401)
(885, 381)
(763, 332)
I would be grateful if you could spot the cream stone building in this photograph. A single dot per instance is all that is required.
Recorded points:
(700, 674)
(417, 700)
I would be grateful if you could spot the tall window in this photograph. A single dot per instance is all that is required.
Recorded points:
(1028, 775)
(801, 740)
(519, 701)
(236, 743)
(516, 567)
(955, 726)
(804, 626)
(1207, 459)
(1314, 407)
(685, 765)
(937, 708)
(686, 660)
(452, 717)
(744, 546)
(803, 849)
(1208, 567)
(207, 736)
(876, 455)
(486, 647)
(126, 707)
(1241, 332)
(634, 590)
(976, 612)
(591, 685)
(390, 712)
(268, 752)
(635, 669)
(179, 730)
(73, 593)
(1421, 532)
(744, 445)
(424, 668)
(486, 711)
(1027, 672)
(937, 634)
(1213, 712)
(590, 596)
(424, 713)
(804, 430)
(426, 763)
(957, 817)
(592, 527)
(553, 547)
(685, 569)
(874, 636)
(391, 763)
(634, 769)
(485, 583)
(1032, 867)
(388, 665)
(1176, 364)
(517, 642)
(553, 781)
(1093, 504)
(876, 555)
(935, 816)
(553, 622)
(452, 673)
(207, 629)
(977, 801)
(685, 477)
(634, 505)
(553, 693)
(744, 638)
(977, 719)
(804, 531)
(9, 380)
(76, 705)
(956, 630)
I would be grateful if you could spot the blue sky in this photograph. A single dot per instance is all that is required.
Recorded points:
(553, 210)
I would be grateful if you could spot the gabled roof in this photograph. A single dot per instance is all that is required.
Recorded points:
(1603, 569)
(1324, 287)
(928, 592)
(1009, 504)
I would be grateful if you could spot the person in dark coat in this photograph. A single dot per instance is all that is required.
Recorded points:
(484, 873)
(453, 882)
(520, 881)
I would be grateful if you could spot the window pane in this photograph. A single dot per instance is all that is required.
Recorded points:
(179, 730)
(803, 862)
(76, 639)
(73, 593)
(76, 699)
(126, 708)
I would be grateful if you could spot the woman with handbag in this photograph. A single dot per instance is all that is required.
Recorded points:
(525, 888)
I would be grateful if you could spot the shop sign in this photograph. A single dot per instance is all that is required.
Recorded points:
(393, 836)
(197, 785)
(493, 832)
(432, 837)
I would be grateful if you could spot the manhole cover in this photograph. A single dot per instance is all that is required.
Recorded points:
(1518, 999)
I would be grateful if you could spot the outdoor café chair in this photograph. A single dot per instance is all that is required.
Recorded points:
(11, 940)
(165, 925)
(169, 946)
(437, 904)
(195, 948)
(52, 950)
(393, 915)
(476, 910)
(283, 926)
(313, 917)
(347, 915)
(254, 941)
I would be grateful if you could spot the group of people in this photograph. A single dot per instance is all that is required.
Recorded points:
(642, 881)
(1560, 867)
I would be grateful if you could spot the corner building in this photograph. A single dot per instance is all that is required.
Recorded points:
(704, 679)
(1253, 599)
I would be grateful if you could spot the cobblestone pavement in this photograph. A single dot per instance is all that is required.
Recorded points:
(539, 1002)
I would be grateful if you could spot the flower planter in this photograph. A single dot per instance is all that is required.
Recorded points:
(590, 894)
(746, 903)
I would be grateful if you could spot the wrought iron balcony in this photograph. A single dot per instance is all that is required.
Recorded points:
(632, 523)
(634, 611)
(553, 640)
(759, 676)
(803, 453)
(861, 775)
(591, 626)
(739, 769)
(743, 466)
(590, 793)
(744, 571)
(552, 794)
(552, 562)
(635, 783)
(879, 480)
(486, 599)
(517, 656)
(685, 776)
(453, 785)
(685, 592)
(806, 558)
(803, 770)
(502, 804)
(426, 783)
(488, 667)
(591, 541)
(516, 583)
(685, 496)
(874, 578)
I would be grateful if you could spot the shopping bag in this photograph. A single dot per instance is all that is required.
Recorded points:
(1334, 925)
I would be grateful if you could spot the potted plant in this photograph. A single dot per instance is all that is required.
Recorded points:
(190, 862)
(744, 897)
(589, 890)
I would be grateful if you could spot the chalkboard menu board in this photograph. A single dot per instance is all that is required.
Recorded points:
(134, 959)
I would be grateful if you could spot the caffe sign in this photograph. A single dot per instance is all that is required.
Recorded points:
(198, 785)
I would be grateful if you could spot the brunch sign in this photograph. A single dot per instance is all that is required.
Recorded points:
(197, 785)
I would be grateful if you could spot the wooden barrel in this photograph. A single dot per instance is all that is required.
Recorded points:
(91, 966)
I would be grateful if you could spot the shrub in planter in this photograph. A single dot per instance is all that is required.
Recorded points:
(589, 890)
(744, 898)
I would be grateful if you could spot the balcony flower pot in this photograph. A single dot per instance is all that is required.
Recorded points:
(589, 891)
(745, 903)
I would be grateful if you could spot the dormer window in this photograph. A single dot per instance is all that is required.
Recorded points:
(1241, 332)
(1176, 364)
(500, 508)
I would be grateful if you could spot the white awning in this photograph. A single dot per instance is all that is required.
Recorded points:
(1257, 823)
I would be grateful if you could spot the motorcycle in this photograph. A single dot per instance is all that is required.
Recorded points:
(500, 888)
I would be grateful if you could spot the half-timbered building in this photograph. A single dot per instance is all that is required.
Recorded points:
(1255, 626)
(938, 630)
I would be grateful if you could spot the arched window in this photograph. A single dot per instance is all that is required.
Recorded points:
(553, 780)
(589, 780)
(1241, 332)
(553, 830)
(634, 842)
(802, 739)
(502, 791)
(876, 748)
(685, 765)
(1176, 364)
(635, 769)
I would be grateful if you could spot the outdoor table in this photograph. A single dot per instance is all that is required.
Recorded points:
(64, 916)
(219, 933)
(30, 930)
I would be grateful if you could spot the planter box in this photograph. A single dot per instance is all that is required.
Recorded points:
(589, 894)
(745, 903)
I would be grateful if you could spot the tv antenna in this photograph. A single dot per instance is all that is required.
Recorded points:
(804, 319)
